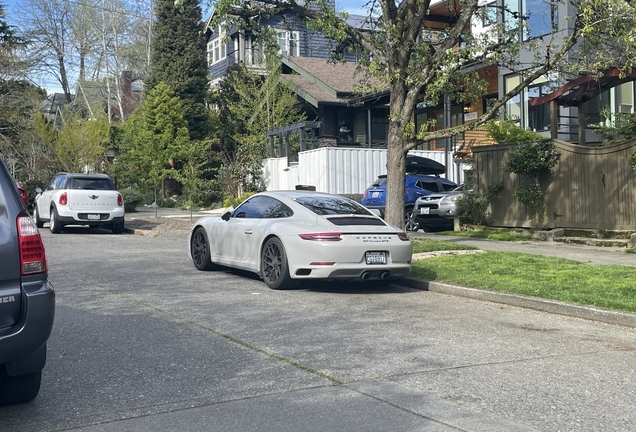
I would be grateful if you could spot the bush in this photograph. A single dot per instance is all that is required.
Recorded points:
(531, 158)
(233, 202)
(473, 207)
(132, 199)
(507, 131)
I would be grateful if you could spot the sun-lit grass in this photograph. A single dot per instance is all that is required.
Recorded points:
(431, 245)
(490, 233)
(611, 287)
(631, 250)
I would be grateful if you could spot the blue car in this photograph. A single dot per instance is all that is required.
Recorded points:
(416, 186)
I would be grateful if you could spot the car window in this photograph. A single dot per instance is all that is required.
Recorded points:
(379, 182)
(277, 210)
(91, 183)
(449, 187)
(428, 185)
(331, 205)
(253, 208)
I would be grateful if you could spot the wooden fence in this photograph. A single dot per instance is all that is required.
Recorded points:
(589, 188)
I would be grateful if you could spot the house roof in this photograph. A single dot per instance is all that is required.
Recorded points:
(319, 81)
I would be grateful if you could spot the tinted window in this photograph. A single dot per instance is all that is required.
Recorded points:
(380, 182)
(331, 205)
(449, 187)
(428, 185)
(91, 183)
(263, 207)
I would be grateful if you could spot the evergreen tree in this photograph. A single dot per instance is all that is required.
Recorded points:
(179, 59)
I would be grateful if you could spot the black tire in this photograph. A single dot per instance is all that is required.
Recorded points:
(200, 250)
(117, 227)
(274, 266)
(54, 225)
(409, 220)
(36, 217)
(18, 389)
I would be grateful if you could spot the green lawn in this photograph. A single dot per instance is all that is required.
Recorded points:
(612, 287)
(490, 233)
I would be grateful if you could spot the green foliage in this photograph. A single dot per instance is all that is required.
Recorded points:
(508, 131)
(624, 128)
(632, 159)
(530, 194)
(79, 144)
(531, 158)
(179, 60)
(431, 245)
(249, 105)
(132, 199)
(473, 207)
(234, 202)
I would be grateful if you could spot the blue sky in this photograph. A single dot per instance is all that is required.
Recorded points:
(12, 7)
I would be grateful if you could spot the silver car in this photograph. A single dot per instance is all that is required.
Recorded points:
(437, 210)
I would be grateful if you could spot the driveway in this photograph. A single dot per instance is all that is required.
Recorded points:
(144, 342)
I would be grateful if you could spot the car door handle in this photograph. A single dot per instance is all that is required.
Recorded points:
(249, 231)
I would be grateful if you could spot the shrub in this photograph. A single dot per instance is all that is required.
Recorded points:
(132, 199)
(233, 202)
(473, 207)
(507, 131)
(530, 194)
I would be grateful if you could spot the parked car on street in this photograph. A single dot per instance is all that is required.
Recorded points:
(27, 299)
(437, 210)
(416, 186)
(288, 236)
(79, 199)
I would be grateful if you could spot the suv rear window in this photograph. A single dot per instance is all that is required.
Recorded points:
(91, 183)
(322, 205)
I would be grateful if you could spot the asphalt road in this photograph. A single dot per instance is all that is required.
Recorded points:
(144, 342)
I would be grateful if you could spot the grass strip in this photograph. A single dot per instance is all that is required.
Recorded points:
(490, 233)
(432, 245)
(612, 287)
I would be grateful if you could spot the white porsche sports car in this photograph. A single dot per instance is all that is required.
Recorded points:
(288, 236)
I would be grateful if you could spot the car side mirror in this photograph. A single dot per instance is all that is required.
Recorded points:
(227, 214)
(38, 190)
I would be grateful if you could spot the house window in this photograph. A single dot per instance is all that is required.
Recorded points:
(539, 115)
(490, 14)
(217, 48)
(541, 17)
(288, 42)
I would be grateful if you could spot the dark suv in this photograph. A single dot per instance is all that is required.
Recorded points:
(27, 299)
(415, 186)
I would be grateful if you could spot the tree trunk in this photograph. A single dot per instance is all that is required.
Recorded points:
(396, 157)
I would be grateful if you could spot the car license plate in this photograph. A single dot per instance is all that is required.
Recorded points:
(375, 194)
(424, 210)
(93, 217)
(376, 257)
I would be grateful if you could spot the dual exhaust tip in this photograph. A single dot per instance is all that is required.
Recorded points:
(383, 275)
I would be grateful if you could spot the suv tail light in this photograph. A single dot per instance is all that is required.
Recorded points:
(32, 256)
(120, 200)
(63, 198)
(330, 236)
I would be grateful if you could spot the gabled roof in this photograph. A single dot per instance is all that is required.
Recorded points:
(319, 81)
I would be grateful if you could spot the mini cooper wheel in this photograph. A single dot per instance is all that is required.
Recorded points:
(54, 225)
(200, 250)
(117, 227)
(274, 266)
(36, 217)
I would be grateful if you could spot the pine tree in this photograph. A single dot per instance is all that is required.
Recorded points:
(178, 59)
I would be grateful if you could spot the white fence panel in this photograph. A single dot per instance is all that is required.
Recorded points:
(340, 170)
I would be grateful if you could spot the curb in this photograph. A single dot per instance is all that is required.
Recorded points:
(552, 306)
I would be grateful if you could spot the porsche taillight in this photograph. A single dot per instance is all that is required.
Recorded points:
(32, 256)
(329, 236)
(63, 198)
(402, 236)
(120, 200)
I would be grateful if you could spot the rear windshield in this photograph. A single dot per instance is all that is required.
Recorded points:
(331, 205)
(91, 183)
(380, 182)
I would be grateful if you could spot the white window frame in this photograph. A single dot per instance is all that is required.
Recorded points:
(217, 48)
(291, 43)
